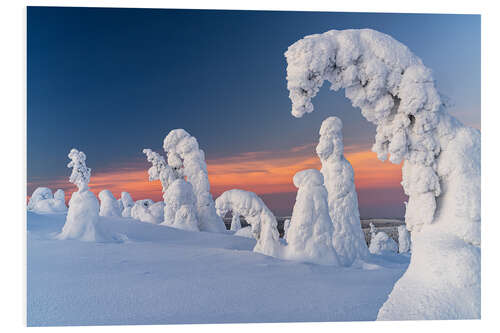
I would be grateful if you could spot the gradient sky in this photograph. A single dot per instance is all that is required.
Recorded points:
(111, 82)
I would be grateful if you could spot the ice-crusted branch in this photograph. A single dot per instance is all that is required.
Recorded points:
(80, 175)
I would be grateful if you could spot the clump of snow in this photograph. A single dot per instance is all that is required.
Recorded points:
(442, 166)
(42, 201)
(128, 203)
(183, 153)
(381, 243)
(403, 239)
(348, 237)
(309, 236)
(245, 232)
(82, 221)
(109, 205)
(180, 211)
(235, 223)
(254, 210)
(147, 210)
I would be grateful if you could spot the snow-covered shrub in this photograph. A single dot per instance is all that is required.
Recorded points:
(147, 210)
(286, 226)
(183, 153)
(254, 210)
(82, 221)
(442, 158)
(127, 203)
(309, 236)
(39, 194)
(180, 211)
(42, 201)
(235, 223)
(109, 205)
(381, 243)
(348, 237)
(245, 232)
(403, 239)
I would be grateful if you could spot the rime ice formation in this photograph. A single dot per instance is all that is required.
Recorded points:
(180, 211)
(348, 238)
(160, 170)
(127, 203)
(256, 213)
(82, 221)
(442, 165)
(42, 201)
(309, 236)
(235, 223)
(381, 243)
(184, 154)
(403, 239)
(148, 211)
(109, 205)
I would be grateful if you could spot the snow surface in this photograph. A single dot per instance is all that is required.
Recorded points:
(442, 161)
(162, 275)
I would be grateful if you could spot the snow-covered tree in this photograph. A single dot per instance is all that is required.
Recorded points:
(82, 221)
(442, 159)
(381, 243)
(42, 201)
(160, 170)
(109, 204)
(254, 210)
(309, 236)
(39, 194)
(348, 237)
(127, 203)
(245, 232)
(183, 153)
(147, 210)
(180, 211)
(286, 226)
(235, 223)
(403, 239)
(373, 230)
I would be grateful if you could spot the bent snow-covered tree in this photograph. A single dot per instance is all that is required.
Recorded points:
(442, 166)
(184, 153)
(348, 237)
(254, 210)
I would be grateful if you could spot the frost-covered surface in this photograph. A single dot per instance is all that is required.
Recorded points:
(348, 238)
(404, 240)
(256, 213)
(309, 236)
(147, 210)
(184, 154)
(442, 165)
(235, 223)
(146, 280)
(82, 221)
(381, 243)
(42, 201)
(128, 203)
(180, 206)
(109, 204)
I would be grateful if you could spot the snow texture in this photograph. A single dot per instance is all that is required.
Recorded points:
(147, 210)
(442, 165)
(254, 210)
(109, 205)
(42, 201)
(235, 223)
(180, 211)
(127, 203)
(309, 236)
(403, 239)
(348, 237)
(382, 243)
(184, 154)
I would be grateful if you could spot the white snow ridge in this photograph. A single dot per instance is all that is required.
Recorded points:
(442, 166)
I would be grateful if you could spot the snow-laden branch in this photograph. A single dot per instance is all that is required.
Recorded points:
(80, 175)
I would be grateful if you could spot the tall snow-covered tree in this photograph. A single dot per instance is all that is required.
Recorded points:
(348, 238)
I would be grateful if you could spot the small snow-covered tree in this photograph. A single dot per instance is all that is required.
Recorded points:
(254, 210)
(127, 203)
(82, 221)
(348, 237)
(147, 210)
(180, 211)
(286, 226)
(373, 230)
(403, 239)
(235, 223)
(381, 243)
(39, 194)
(184, 153)
(42, 201)
(309, 236)
(109, 205)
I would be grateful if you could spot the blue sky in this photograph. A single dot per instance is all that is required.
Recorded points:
(113, 81)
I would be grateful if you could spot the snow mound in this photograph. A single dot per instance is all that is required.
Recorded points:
(442, 165)
(254, 210)
(309, 235)
(109, 205)
(42, 201)
(147, 210)
(348, 237)
(180, 211)
(381, 243)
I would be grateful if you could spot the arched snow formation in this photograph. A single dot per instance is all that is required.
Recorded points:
(442, 166)
(256, 213)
